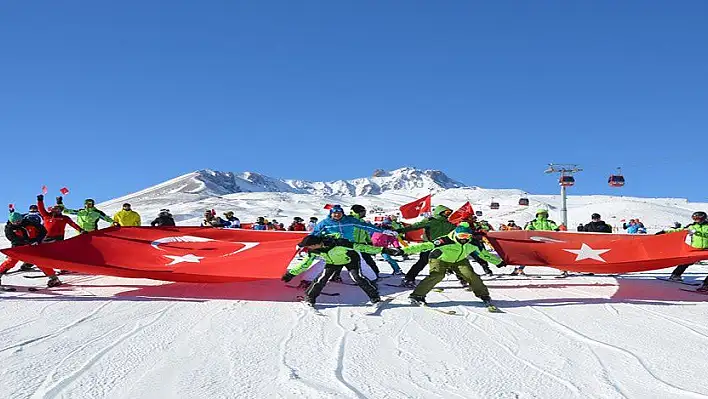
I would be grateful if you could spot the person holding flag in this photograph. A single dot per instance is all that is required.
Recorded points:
(88, 217)
(21, 231)
(340, 226)
(451, 252)
(698, 231)
(435, 226)
(541, 223)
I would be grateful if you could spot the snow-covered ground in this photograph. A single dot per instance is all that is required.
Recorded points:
(583, 337)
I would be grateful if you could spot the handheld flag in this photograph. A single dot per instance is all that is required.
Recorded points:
(416, 208)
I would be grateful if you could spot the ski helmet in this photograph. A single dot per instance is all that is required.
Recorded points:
(336, 209)
(89, 201)
(358, 209)
(15, 217)
(700, 215)
(595, 216)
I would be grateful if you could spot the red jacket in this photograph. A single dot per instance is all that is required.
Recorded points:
(297, 227)
(55, 225)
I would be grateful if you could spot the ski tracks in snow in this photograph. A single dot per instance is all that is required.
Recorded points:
(51, 388)
(594, 343)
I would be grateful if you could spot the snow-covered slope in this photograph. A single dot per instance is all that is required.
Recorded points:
(583, 337)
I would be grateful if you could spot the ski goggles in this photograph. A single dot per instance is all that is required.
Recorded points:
(463, 236)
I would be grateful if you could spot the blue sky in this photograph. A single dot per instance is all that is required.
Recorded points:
(111, 97)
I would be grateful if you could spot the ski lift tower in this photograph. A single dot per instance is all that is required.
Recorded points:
(566, 179)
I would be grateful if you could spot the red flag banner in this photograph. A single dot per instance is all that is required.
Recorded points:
(328, 206)
(461, 214)
(414, 209)
(186, 254)
(595, 253)
(64, 191)
(415, 235)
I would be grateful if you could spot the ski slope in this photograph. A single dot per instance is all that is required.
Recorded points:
(630, 336)
(582, 337)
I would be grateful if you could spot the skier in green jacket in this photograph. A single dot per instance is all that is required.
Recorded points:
(336, 253)
(451, 252)
(88, 217)
(698, 230)
(435, 226)
(541, 223)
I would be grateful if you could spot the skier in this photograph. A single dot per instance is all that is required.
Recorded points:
(337, 253)
(88, 217)
(231, 221)
(698, 230)
(597, 225)
(311, 224)
(164, 218)
(54, 222)
(435, 226)
(126, 217)
(22, 231)
(348, 227)
(541, 223)
(362, 236)
(451, 252)
(388, 239)
(34, 214)
(297, 224)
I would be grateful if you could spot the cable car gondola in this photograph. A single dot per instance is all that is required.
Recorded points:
(494, 205)
(478, 213)
(566, 180)
(616, 180)
(524, 201)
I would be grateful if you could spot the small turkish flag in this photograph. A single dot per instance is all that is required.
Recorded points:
(64, 190)
(328, 206)
(44, 190)
(461, 214)
(414, 209)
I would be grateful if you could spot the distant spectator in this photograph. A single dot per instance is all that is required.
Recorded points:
(126, 217)
(311, 224)
(260, 224)
(632, 226)
(509, 226)
(164, 218)
(597, 225)
(231, 221)
(297, 224)
(211, 220)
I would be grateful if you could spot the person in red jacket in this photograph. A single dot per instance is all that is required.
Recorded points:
(297, 225)
(21, 231)
(54, 221)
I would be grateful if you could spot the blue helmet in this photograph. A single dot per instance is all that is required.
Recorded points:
(336, 208)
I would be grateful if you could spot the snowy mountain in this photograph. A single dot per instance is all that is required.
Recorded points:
(208, 183)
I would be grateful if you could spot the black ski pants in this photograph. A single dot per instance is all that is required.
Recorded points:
(418, 266)
(354, 269)
(369, 261)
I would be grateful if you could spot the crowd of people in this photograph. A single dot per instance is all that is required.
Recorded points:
(342, 241)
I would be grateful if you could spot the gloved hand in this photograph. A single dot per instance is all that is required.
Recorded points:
(40, 197)
(60, 200)
(390, 233)
(116, 224)
(392, 251)
(287, 277)
(502, 264)
(659, 232)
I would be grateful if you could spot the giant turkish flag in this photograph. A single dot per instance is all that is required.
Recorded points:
(594, 252)
(186, 254)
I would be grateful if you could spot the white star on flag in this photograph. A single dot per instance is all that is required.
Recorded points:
(585, 252)
(184, 258)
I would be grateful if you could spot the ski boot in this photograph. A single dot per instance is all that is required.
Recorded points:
(336, 279)
(488, 272)
(675, 277)
(54, 282)
(518, 272)
(417, 300)
(487, 300)
(702, 288)
(398, 273)
(308, 301)
(408, 283)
